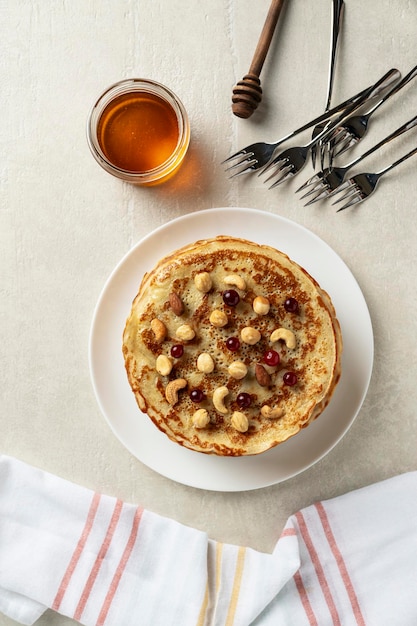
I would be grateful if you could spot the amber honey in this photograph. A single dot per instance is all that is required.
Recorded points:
(138, 130)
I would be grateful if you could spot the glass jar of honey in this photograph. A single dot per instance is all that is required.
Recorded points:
(138, 130)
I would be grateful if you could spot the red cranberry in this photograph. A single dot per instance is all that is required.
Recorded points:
(244, 400)
(291, 305)
(271, 357)
(290, 378)
(233, 344)
(196, 395)
(231, 297)
(177, 351)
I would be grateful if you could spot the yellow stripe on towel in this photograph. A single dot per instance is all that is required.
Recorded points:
(219, 554)
(203, 610)
(236, 586)
(213, 583)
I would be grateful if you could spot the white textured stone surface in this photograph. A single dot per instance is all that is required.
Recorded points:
(65, 223)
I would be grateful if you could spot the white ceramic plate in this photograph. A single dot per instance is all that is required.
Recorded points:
(136, 431)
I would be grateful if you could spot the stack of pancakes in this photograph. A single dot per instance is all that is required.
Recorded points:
(201, 344)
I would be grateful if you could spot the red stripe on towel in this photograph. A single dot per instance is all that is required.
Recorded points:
(318, 568)
(288, 532)
(341, 564)
(99, 560)
(77, 552)
(304, 600)
(120, 568)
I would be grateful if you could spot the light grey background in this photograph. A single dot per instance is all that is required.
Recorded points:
(65, 224)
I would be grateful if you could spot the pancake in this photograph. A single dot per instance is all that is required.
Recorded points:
(231, 347)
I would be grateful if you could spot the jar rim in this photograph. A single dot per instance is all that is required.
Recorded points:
(143, 85)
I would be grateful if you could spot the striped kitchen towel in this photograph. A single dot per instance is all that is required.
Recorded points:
(347, 561)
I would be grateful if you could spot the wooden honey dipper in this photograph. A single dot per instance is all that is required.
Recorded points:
(247, 94)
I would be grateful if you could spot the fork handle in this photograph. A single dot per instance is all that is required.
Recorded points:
(338, 10)
(247, 94)
(396, 133)
(397, 162)
(393, 90)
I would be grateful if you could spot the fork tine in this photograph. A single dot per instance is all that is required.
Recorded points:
(321, 195)
(330, 155)
(245, 156)
(278, 166)
(327, 153)
(333, 142)
(349, 143)
(311, 181)
(317, 148)
(335, 135)
(325, 149)
(313, 153)
(347, 184)
(286, 175)
(319, 186)
(272, 163)
(317, 189)
(355, 200)
(247, 166)
(351, 191)
(237, 154)
(284, 171)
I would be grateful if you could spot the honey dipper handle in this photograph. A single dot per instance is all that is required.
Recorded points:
(247, 94)
(266, 37)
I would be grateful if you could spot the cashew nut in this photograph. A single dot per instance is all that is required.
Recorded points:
(250, 335)
(163, 365)
(203, 282)
(237, 370)
(185, 333)
(237, 281)
(286, 335)
(159, 330)
(218, 399)
(240, 421)
(271, 413)
(172, 389)
(205, 363)
(201, 418)
(261, 305)
(218, 318)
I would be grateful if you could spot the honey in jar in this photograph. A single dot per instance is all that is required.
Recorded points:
(138, 130)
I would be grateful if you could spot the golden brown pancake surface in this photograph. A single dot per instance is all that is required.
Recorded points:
(202, 341)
